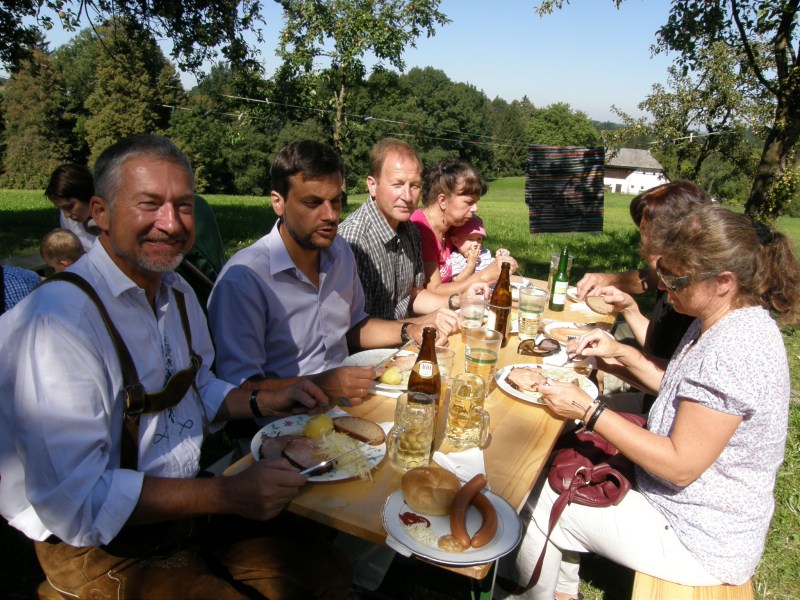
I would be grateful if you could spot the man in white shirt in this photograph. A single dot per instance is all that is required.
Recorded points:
(100, 526)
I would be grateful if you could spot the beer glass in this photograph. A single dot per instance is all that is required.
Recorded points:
(468, 421)
(531, 306)
(481, 350)
(409, 441)
(472, 313)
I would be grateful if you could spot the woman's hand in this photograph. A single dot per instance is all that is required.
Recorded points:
(597, 342)
(565, 399)
(616, 297)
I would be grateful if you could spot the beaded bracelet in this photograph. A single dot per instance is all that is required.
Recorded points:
(591, 422)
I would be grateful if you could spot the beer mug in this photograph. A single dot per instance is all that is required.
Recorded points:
(467, 421)
(410, 440)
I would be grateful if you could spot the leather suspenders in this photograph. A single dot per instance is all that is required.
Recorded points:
(137, 401)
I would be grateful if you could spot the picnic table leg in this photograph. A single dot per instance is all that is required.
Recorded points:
(482, 588)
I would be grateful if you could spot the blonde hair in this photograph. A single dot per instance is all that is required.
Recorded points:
(60, 245)
(714, 239)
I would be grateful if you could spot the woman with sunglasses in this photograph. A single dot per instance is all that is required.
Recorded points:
(706, 463)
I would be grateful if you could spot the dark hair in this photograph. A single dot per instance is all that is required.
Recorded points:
(312, 159)
(714, 239)
(452, 176)
(387, 146)
(677, 197)
(108, 165)
(71, 181)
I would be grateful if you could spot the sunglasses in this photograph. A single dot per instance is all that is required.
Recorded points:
(674, 283)
(545, 347)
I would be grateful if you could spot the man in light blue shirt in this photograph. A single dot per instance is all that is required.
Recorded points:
(291, 304)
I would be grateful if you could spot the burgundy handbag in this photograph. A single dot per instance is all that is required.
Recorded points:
(586, 470)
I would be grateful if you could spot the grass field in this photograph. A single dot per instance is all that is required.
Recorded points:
(27, 216)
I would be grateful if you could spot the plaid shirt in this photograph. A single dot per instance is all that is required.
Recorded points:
(389, 262)
(17, 283)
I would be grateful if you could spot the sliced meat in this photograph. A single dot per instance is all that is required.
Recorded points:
(303, 453)
(525, 379)
(272, 446)
(403, 363)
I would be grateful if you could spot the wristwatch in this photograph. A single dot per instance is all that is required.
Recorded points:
(404, 332)
(450, 302)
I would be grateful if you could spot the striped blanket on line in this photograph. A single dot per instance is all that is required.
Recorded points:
(564, 189)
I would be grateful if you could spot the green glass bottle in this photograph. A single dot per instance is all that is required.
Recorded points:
(558, 294)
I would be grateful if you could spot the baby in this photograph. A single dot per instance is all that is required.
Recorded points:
(468, 254)
(60, 248)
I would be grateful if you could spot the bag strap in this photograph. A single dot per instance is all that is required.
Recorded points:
(512, 587)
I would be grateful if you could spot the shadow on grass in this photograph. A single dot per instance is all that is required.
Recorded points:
(23, 230)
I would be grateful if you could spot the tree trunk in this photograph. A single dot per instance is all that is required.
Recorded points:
(781, 139)
(338, 120)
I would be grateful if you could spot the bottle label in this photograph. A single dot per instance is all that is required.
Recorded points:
(560, 292)
(425, 369)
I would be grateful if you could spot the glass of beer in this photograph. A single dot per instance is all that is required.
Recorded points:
(554, 258)
(531, 306)
(472, 313)
(481, 350)
(468, 421)
(409, 441)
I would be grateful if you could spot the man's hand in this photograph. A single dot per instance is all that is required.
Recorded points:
(479, 289)
(263, 490)
(445, 321)
(352, 383)
(620, 300)
(590, 281)
(302, 396)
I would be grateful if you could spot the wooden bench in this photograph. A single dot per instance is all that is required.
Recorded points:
(646, 587)
(32, 261)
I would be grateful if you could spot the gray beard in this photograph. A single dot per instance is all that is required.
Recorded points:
(160, 266)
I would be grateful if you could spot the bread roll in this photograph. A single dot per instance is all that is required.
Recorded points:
(430, 490)
(599, 305)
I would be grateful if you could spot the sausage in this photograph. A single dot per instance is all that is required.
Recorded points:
(458, 511)
(485, 534)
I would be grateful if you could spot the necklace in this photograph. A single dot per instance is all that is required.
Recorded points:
(431, 220)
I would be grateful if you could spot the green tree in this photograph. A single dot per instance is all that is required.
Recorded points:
(196, 28)
(134, 91)
(509, 145)
(558, 125)
(766, 33)
(34, 117)
(342, 32)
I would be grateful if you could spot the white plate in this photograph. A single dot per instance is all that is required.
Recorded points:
(549, 327)
(572, 294)
(509, 532)
(294, 426)
(555, 373)
(367, 358)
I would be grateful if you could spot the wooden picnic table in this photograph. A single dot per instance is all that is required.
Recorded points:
(522, 437)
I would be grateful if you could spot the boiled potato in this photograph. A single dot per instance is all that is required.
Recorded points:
(392, 376)
(318, 426)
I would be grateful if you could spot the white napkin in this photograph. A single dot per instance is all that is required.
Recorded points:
(465, 464)
(560, 358)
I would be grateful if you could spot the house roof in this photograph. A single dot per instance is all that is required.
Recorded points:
(633, 158)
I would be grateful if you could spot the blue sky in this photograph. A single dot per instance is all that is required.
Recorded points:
(589, 54)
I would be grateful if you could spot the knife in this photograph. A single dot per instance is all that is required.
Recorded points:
(381, 363)
(324, 463)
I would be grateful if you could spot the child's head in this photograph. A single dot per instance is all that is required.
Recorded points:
(60, 248)
(469, 235)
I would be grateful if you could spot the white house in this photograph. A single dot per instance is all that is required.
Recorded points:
(632, 171)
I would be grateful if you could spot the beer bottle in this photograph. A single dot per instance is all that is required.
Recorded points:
(500, 304)
(424, 382)
(558, 295)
